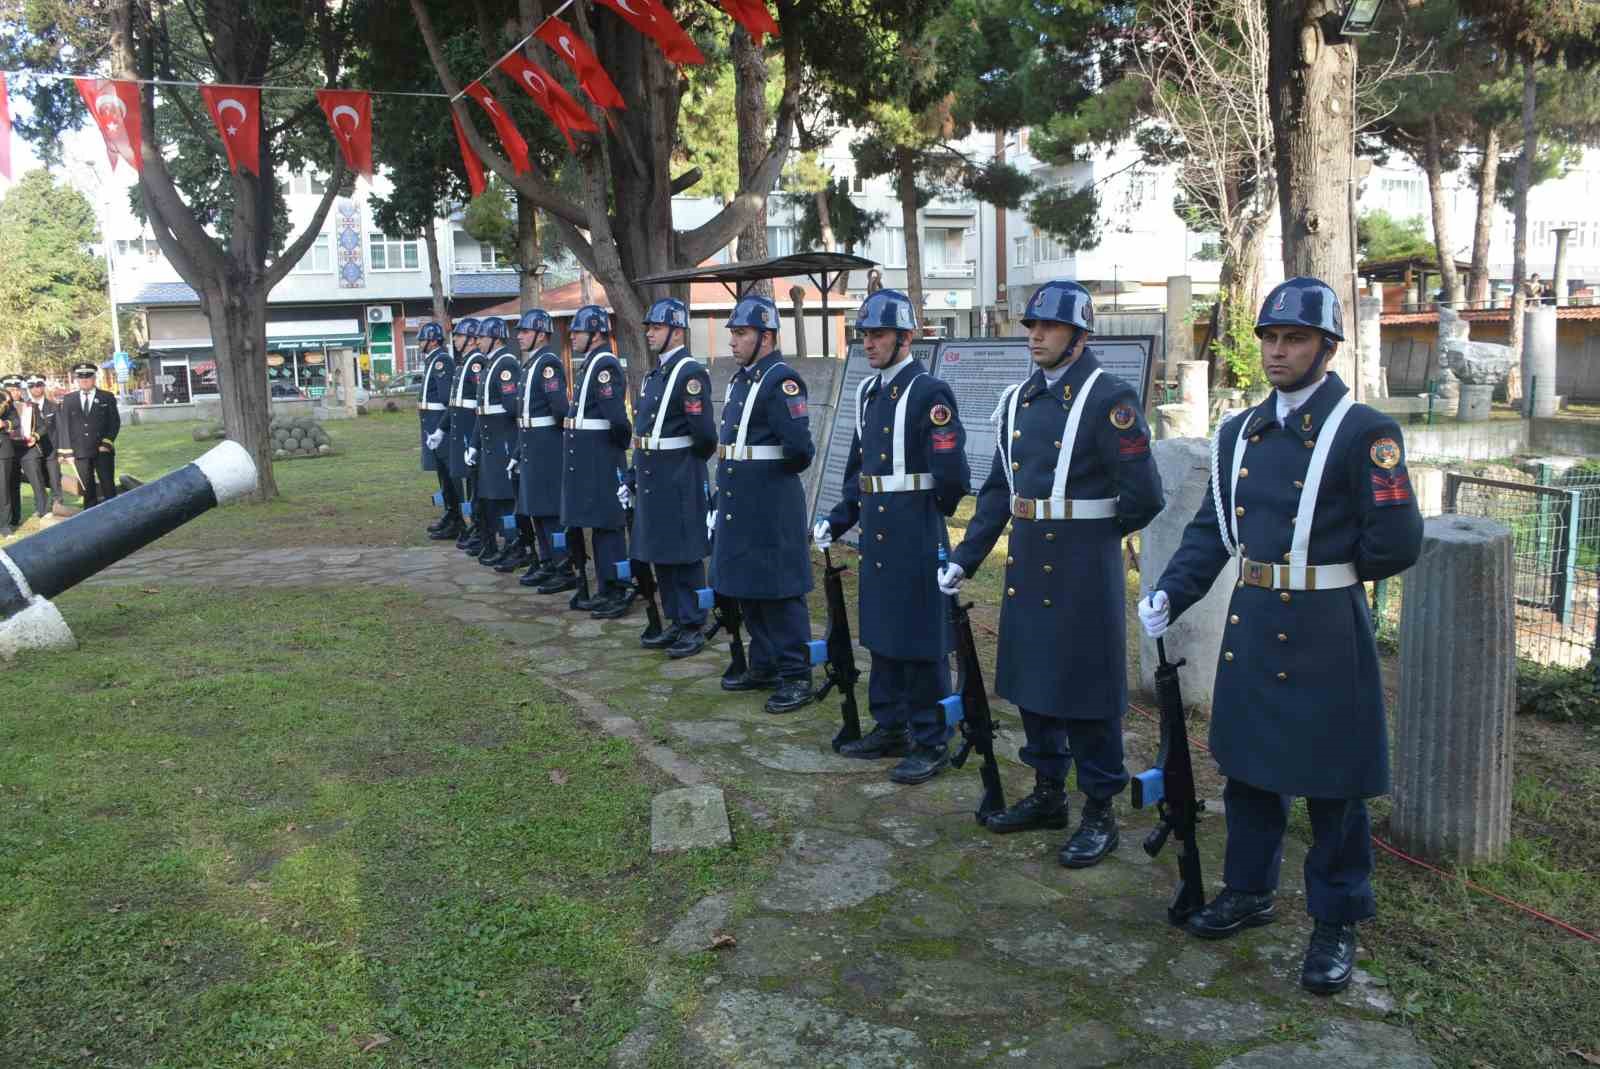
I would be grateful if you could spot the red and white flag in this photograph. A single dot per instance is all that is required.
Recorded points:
(349, 113)
(515, 146)
(5, 128)
(115, 107)
(236, 109)
(592, 76)
(552, 98)
(753, 16)
(652, 20)
(469, 158)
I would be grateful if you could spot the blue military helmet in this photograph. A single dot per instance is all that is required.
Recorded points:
(886, 310)
(493, 327)
(755, 311)
(1060, 301)
(1302, 302)
(537, 319)
(467, 328)
(591, 319)
(430, 332)
(668, 312)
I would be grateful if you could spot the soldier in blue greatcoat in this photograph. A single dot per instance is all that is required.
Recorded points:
(759, 553)
(494, 437)
(461, 415)
(594, 446)
(674, 435)
(1073, 475)
(541, 406)
(433, 400)
(907, 471)
(1309, 492)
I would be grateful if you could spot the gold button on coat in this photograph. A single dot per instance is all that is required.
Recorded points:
(1234, 618)
(879, 536)
(1283, 595)
(1227, 655)
(1244, 473)
(1238, 510)
(1010, 561)
(1283, 676)
(1015, 466)
(1049, 536)
(1048, 569)
(1011, 591)
(1047, 603)
(1282, 637)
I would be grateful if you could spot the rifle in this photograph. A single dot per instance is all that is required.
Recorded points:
(1170, 785)
(580, 559)
(839, 664)
(642, 576)
(727, 616)
(971, 707)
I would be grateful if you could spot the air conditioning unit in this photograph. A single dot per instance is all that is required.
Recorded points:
(380, 313)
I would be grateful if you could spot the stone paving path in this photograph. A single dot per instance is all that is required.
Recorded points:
(894, 933)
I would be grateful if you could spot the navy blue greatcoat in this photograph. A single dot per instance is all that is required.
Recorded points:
(438, 372)
(543, 395)
(461, 418)
(496, 432)
(903, 615)
(1298, 704)
(594, 458)
(1063, 646)
(670, 499)
(761, 548)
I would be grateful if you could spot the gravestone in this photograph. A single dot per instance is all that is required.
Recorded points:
(1458, 682)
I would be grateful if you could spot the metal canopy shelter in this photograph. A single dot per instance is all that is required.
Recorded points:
(821, 268)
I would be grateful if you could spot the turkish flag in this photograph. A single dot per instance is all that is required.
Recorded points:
(5, 128)
(592, 77)
(349, 113)
(555, 101)
(753, 16)
(236, 109)
(469, 158)
(652, 20)
(515, 146)
(115, 107)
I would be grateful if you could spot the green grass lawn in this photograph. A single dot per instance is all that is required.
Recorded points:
(272, 828)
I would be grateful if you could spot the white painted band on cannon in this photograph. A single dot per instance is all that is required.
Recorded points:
(16, 576)
(229, 470)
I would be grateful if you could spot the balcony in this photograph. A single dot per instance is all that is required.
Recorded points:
(950, 271)
(473, 267)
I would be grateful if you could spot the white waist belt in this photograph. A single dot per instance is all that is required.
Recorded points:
(662, 445)
(750, 452)
(538, 421)
(1062, 508)
(587, 424)
(494, 410)
(467, 404)
(1296, 577)
(431, 406)
(895, 484)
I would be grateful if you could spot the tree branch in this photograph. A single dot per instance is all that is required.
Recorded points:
(285, 261)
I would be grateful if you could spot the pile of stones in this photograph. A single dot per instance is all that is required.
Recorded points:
(298, 436)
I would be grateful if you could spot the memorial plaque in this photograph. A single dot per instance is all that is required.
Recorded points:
(844, 426)
(979, 369)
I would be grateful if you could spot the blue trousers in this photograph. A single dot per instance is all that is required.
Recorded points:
(906, 694)
(677, 585)
(779, 630)
(1338, 867)
(608, 547)
(543, 528)
(1053, 743)
(447, 486)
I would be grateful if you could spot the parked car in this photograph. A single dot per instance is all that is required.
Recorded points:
(285, 391)
(408, 384)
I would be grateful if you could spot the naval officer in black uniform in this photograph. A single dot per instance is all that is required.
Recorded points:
(1073, 475)
(1310, 492)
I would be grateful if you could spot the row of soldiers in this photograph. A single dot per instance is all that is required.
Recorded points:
(1308, 494)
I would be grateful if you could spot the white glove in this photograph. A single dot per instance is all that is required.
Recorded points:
(711, 523)
(1154, 613)
(950, 576)
(822, 535)
(624, 496)
(471, 458)
(511, 466)
(435, 440)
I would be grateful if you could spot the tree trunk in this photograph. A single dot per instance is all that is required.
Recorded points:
(430, 238)
(1519, 248)
(906, 178)
(825, 218)
(1308, 85)
(1441, 215)
(527, 252)
(750, 109)
(1488, 177)
(238, 321)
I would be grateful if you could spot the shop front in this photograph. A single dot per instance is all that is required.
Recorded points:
(299, 353)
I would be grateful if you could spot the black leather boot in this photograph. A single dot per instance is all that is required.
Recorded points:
(537, 573)
(449, 532)
(669, 634)
(791, 694)
(1046, 807)
(749, 679)
(619, 599)
(560, 580)
(1095, 838)
(517, 554)
(1232, 911)
(691, 640)
(921, 764)
(1330, 958)
(879, 742)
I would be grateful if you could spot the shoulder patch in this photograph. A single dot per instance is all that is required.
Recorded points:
(692, 387)
(505, 375)
(1123, 416)
(1385, 453)
(603, 376)
(549, 371)
(477, 366)
(439, 366)
(791, 387)
(940, 414)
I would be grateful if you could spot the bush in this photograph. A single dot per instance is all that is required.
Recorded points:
(1561, 694)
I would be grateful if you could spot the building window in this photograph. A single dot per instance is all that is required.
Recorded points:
(894, 246)
(858, 184)
(307, 183)
(780, 241)
(318, 258)
(394, 254)
(1047, 249)
(1019, 252)
(148, 248)
(489, 257)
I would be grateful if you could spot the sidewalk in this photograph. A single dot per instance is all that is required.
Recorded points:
(895, 932)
